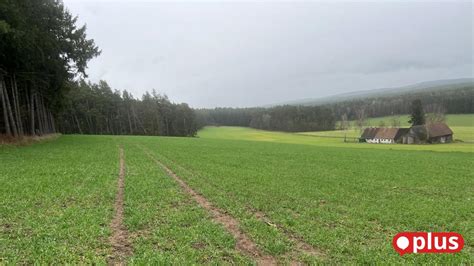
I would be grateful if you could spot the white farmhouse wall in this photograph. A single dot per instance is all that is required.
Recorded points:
(385, 141)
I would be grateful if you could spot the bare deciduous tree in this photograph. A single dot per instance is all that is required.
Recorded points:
(361, 118)
(344, 123)
(395, 121)
(435, 113)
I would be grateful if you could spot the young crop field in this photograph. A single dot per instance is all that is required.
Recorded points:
(231, 195)
(99, 166)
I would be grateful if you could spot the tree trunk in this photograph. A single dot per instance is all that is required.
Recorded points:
(4, 108)
(39, 115)
(158, 125)
(16, 103)
(139, 122)
(119, 130)
(134, 119)
(107, 124)
(89, 124)
(28, 107)
(78, 125)
(129, 123)
(9, 109)
(51, 122)
(32, 112)
(45, 117)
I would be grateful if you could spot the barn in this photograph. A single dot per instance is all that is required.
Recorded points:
(431, 133)
(439, 133)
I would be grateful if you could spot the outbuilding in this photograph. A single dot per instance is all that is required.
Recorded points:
(430, 133)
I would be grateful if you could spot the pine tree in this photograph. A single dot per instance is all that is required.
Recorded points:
(417, 116)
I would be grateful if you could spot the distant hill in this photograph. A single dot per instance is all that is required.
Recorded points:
(436, 85)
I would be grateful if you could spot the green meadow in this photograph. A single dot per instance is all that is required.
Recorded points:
(344, 200)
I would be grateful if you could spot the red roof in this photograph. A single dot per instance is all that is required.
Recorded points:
(369, 133)
(383, 133)
(386, 133)
(438, 130)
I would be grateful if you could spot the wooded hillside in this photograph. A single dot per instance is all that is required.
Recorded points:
(452, 101)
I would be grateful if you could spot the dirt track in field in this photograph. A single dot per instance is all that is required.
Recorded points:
(300, 245)
(244, 243)
(121, 247)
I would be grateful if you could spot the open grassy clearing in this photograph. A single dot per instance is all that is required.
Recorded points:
(327, 202)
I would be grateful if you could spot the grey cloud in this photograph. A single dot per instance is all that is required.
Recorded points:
(254, 53)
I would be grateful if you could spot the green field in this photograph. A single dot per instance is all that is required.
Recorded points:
(298, 198)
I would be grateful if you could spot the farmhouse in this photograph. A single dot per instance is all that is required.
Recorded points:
(431, 133)
(383, 135)
(368, 135)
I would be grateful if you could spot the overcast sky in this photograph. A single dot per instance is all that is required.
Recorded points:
(254, 53)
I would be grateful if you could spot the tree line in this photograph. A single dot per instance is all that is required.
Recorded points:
(279, 118)
(96, 109)
(337, 115)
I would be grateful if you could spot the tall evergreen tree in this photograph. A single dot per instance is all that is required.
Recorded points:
(417, 116)
(41, 49)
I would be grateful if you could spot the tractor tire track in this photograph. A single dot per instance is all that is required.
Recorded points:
(244, 243)
(300, 245)
(121, 247)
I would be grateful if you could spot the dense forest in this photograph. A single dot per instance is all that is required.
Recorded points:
(96, 109)
(280, 118)
(42, 53)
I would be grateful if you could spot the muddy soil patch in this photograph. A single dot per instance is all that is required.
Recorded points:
(121, 247)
